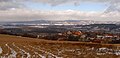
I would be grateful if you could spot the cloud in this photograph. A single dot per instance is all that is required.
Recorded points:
(114, 5)
(9, 4)
(75, 2)
(21, 14)
(25, 15)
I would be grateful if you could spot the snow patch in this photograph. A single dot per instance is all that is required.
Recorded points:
(46, 52)
(28, 54)
(13, 52)
(1, 50)
(35, 52)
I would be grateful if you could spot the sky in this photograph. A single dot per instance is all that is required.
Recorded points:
(27, 10)
(82, 7)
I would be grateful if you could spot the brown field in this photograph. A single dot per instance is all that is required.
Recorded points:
(21, 47)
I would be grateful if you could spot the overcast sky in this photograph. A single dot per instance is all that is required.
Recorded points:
(24, 10)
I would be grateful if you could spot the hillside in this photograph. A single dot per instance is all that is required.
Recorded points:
(18, 47)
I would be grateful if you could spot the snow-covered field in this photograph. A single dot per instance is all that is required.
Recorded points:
(16, 50)
(19, 47)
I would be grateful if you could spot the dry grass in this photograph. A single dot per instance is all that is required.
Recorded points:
(17, 47)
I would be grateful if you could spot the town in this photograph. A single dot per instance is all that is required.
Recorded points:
(94, 33)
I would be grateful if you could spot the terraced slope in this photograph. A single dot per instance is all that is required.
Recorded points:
(20, 47)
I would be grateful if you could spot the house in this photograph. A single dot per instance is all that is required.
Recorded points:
(109, 35)
(69, 32)
(77, 33)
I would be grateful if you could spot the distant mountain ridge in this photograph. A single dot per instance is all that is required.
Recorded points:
(79, 22)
